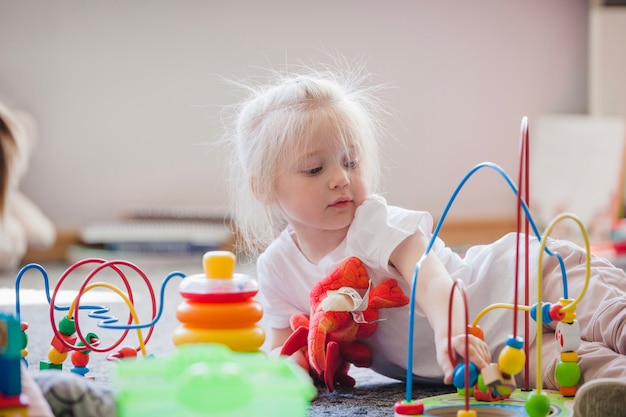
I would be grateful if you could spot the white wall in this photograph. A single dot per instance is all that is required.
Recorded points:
(127, 94)
(607, 89)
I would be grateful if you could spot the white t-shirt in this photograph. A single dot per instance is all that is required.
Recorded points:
(286, 277)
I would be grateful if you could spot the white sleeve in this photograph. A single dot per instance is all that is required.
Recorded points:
(377, 229)
(276, 309)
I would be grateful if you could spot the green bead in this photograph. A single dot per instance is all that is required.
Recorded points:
(567, 374)
(24, 340)
(45, 365)
(537, 404)
(481, 383)
(66, 326)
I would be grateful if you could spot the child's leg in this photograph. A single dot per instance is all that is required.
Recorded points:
(601, 312)
(73, 395)
(601, 315)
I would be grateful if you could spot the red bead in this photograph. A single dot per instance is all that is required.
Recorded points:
(128, 352)
(79, 359)
(556, 313)
(58, 345)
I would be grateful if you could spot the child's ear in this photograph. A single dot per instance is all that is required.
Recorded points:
(259, 192)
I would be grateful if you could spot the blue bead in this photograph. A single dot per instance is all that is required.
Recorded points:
(545, 313)
(515, 342)
(459, 375)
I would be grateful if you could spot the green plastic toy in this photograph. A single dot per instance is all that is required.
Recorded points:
(211, 380)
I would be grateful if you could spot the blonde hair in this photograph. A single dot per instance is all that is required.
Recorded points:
(275, 120)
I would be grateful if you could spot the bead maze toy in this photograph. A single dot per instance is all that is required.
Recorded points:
(69, 339)
(493, 391)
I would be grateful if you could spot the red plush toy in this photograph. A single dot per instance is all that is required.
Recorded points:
(344, 310)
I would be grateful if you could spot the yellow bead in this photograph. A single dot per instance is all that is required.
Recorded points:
(56, 357)
(466, 413)
(219, 264)
(570, 315)
(512, 357)
(569, 356)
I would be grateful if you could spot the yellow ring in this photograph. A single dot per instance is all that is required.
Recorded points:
(239, 340)
(219, 315)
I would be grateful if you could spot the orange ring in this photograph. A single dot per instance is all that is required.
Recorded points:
(238, 340)
(219, 315)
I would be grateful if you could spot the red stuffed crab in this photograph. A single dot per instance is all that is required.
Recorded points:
(340, 318)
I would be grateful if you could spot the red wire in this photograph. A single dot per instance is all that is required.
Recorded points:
(459, 283)
(518, 231)
(527, 258)
(103, 264)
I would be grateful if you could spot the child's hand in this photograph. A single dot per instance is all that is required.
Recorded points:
(478, 353)
(299, 357)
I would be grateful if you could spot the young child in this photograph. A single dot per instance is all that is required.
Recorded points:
(305, 193)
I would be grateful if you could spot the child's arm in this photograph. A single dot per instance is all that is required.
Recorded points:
(434, 285)
(38, 406)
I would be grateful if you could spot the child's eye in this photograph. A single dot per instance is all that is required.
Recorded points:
(351, 164)
(313, 171)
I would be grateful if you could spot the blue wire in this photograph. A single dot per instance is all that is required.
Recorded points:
(106, 323)
(409, 370)
(99, 312)
(18, 280)
(46, 281)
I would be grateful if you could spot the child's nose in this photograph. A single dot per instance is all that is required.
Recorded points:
(339, 178)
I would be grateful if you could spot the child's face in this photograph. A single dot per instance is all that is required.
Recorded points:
(321, 188)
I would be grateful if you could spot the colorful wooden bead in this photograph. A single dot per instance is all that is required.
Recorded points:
(537, 404)
(568, 391)
(79, 370)
(67, 326)
(569, 356)
(556, 312)
(491, 375)
(46, 365)
(506, 386)
(56, 357)
(570, 315)
(512, 357)
(476, 331)
(79, 358)
(459, 375)
(545, 313)
(461, 391)
(568, 336)
(466, 413)
(567, 374)
(63, 347)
